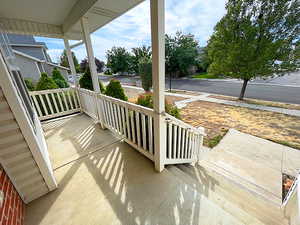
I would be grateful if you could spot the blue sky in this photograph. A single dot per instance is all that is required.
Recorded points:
(133, 28)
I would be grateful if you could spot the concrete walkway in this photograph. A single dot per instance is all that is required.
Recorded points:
(205, 97)
(132, 91)
(267, 153)
(246, 170)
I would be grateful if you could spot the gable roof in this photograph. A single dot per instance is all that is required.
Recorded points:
(38, 60)
(24, 40)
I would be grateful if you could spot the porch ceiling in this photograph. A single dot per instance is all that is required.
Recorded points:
(59, 18)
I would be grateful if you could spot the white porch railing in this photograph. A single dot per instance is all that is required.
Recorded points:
(55, 102)
(88, 102)
(183, 141)
(133, 122)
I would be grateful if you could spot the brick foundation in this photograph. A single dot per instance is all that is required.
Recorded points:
(12, 208)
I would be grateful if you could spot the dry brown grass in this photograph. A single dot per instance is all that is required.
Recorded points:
(218, 118)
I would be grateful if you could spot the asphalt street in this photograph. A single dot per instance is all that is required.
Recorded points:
(281, 89)
(270, 92)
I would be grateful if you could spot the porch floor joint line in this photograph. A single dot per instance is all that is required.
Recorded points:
(87, 154)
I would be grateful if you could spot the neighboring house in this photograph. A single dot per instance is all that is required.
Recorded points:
(32, 57)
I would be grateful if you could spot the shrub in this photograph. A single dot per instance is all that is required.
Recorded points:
(102, 87)
(172, 110)
(86, 81)
(45, 82)
(107, 72)
(114, 89)
(145, 70)
(29, 84)
(59, 79)
(146, 100)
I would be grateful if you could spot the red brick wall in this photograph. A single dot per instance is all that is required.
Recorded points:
(12, 208)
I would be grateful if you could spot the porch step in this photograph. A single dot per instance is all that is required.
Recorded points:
(234, 198)
(244, 172)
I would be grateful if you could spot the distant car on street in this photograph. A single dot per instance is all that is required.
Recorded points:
(71, 78)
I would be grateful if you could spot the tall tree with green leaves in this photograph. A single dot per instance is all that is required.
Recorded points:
(64, 61)
(84, 65)
(256, 38)
(203, 61)
(181, 53)
(140, 53)
(119, 60)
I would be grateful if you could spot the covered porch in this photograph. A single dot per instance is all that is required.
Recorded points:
(102, 179)
(103, 162)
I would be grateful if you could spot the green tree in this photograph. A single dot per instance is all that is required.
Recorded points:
(59, 79)
(86, 81)
(119, 60)
(138, 54)
(45, 82)
(64, 61)
(203, 59)
(256, 38)
(145, 71)
(99, 65)
(297, 50)
(84, 64)
(181, 53)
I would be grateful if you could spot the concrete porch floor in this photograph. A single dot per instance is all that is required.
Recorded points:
(102, 180)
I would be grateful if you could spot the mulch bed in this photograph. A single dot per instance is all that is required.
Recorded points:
(287, 182)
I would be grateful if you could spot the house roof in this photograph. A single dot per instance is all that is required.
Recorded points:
(59, 18)
(38, 60)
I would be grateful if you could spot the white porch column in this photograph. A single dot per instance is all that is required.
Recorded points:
(90, 53)
(70, 60)
(158, 79)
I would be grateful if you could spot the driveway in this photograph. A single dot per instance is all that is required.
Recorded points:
(292, 79)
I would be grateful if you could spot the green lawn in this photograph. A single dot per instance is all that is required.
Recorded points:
(206, 76)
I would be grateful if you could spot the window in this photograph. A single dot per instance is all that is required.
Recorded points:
(23, 93)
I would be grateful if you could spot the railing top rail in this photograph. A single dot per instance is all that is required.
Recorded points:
(86, 91)
(129, 105)
(172, 119)
(49, 91)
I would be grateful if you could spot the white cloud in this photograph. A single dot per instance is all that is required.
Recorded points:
(133, 28)
(55, 54)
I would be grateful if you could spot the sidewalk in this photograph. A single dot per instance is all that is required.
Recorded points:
(205, 97)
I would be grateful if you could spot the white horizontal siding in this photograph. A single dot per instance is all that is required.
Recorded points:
(16, 157)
